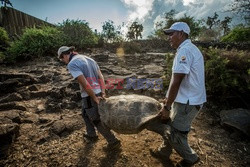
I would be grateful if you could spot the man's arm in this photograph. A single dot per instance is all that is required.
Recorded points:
(173, 91)
(101, 82)
(87, 87)
(174, 88)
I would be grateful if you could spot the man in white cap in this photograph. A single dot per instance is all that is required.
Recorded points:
(91, 81)
(185, 96)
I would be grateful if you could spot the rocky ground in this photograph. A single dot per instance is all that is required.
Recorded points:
(41, 124)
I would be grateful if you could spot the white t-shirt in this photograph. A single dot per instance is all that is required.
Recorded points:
(83, 65)
(189, 60)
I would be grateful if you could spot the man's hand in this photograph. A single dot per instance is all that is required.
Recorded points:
(103, 95)
(97, 99)
(165, 101)
(164, 114)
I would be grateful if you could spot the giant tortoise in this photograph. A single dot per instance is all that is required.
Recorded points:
(130, 114)
(237, 118)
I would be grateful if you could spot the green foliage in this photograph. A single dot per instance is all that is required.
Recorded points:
(218, 78)
(4, 39)
(195, 26)
(35, 43)
(134, 31)
(111, 33)
(238, 34)
(2, 57)
(227, 74)
(78, 33)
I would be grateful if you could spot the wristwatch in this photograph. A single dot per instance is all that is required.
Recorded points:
(167, 108)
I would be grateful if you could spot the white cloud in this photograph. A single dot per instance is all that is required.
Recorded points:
(148, 12)
(187, 2)
(138, 8)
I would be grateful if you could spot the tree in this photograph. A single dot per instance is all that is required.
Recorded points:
(214, 28)
(195, 26)
(134, 31)
(170, 15)
(225, 24)
(6, 2)
(78, 33)
(212, 21)
(192, 23)
(241, 7)
(211, 31)
(110, 33)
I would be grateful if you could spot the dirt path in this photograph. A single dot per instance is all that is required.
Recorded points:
(48, 137)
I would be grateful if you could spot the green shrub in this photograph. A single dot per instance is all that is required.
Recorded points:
(4, 39)
(35, 43)
(227, 75)
(78, 34)
(2, 57)
(218, 78)
(238, 34)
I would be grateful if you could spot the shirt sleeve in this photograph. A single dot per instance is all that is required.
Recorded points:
(97, 66)
(182, 62)
(74, 70)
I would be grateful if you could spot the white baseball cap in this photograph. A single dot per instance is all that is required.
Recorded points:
(64, 49)
(178, 26)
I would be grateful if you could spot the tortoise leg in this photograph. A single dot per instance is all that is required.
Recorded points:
(156, 125)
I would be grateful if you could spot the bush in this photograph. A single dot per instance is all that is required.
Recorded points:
(238, 34)
(2, 57)
(35, 43)
(78, 34)
(227, 76)
(4, 39)
(218, 78)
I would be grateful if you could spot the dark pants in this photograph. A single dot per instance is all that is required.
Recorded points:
(92, 120)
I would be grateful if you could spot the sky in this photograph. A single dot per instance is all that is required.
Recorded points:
(96, 12)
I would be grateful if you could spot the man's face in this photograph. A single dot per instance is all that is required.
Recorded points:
(175, 39)
(65, 58)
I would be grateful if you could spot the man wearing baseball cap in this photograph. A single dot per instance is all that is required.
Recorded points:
(185, 96)
(89, 76)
